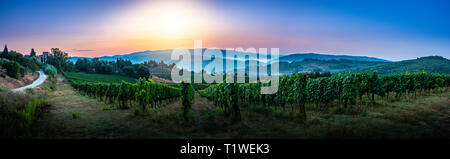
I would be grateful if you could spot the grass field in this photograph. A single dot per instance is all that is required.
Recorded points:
(85, 77)
(166, 76)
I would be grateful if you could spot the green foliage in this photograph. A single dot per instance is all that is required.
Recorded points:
(28, 114)
(50, 69)
(60, 60)
(3, 61)
(85, 77)
(187, 96)
(332, 66)
(142, 71)
(12, 69)
(434, 64)
(144, 92)
(76, 115)
(166, 76)
(23, 61)
(19, 113)
(119, 67)
(299, 89)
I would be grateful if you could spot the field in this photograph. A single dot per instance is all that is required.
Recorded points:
(84, 77)
(166, 76)
(401, 106)
(76, 114)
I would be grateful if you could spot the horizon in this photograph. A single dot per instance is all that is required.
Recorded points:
(392, 31)
(281, 54)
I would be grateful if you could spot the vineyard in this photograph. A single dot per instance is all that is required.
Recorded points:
(90, 77)
(144, 93)
(362, 105)
(325, 92)
(342, 91)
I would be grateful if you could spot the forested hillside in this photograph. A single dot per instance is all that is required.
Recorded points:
(434, 64)
(333, 66)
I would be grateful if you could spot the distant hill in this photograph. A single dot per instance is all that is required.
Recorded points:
(332, 66)
(435, 64)
(301, 56)
(308, 62)
(165, 55)
(158, 56)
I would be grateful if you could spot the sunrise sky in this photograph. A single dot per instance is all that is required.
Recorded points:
(390, 30)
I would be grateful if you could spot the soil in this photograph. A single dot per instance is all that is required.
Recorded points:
(11, 83)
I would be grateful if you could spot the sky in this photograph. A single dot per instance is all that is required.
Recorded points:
(392, 30)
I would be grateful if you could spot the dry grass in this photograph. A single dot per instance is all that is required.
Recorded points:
(11, 83)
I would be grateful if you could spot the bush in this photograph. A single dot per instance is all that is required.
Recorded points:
(24, 70)
(19, 58)
(12, 69)
(50, 69)
(76, 115)
(3, 61)
(142, 71)
(19, 114)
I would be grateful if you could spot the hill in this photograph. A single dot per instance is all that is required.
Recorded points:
(332, 66)
(302, 56)
(435, 64)
(288, 63)
(165, 55)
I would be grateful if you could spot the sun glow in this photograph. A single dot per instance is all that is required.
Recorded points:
(162, 20)
(172, 22)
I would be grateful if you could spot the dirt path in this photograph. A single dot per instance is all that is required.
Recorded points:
(37, 82)
(12, 83)
(203, 107)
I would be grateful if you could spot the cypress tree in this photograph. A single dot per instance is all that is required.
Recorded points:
(5, 51)
(33, 53)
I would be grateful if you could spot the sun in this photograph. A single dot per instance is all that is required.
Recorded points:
(163, 20)
(173, 23)
(160, 24)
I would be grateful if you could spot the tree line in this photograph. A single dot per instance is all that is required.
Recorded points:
(119, 67)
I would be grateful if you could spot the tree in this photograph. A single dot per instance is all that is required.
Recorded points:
(5, 52)
(59, 59)
(49, 69)
(142, 71)
(83, 65)
(129, 71)
(23, 61)
(12, 69)
(32, 53)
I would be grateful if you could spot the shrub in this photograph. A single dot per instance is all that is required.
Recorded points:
(19, 113)
(3, 61)
(24, 70)
(12, 69)
(76, 115)
(50, 69)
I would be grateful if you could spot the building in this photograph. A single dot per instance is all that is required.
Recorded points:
(43, 57)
